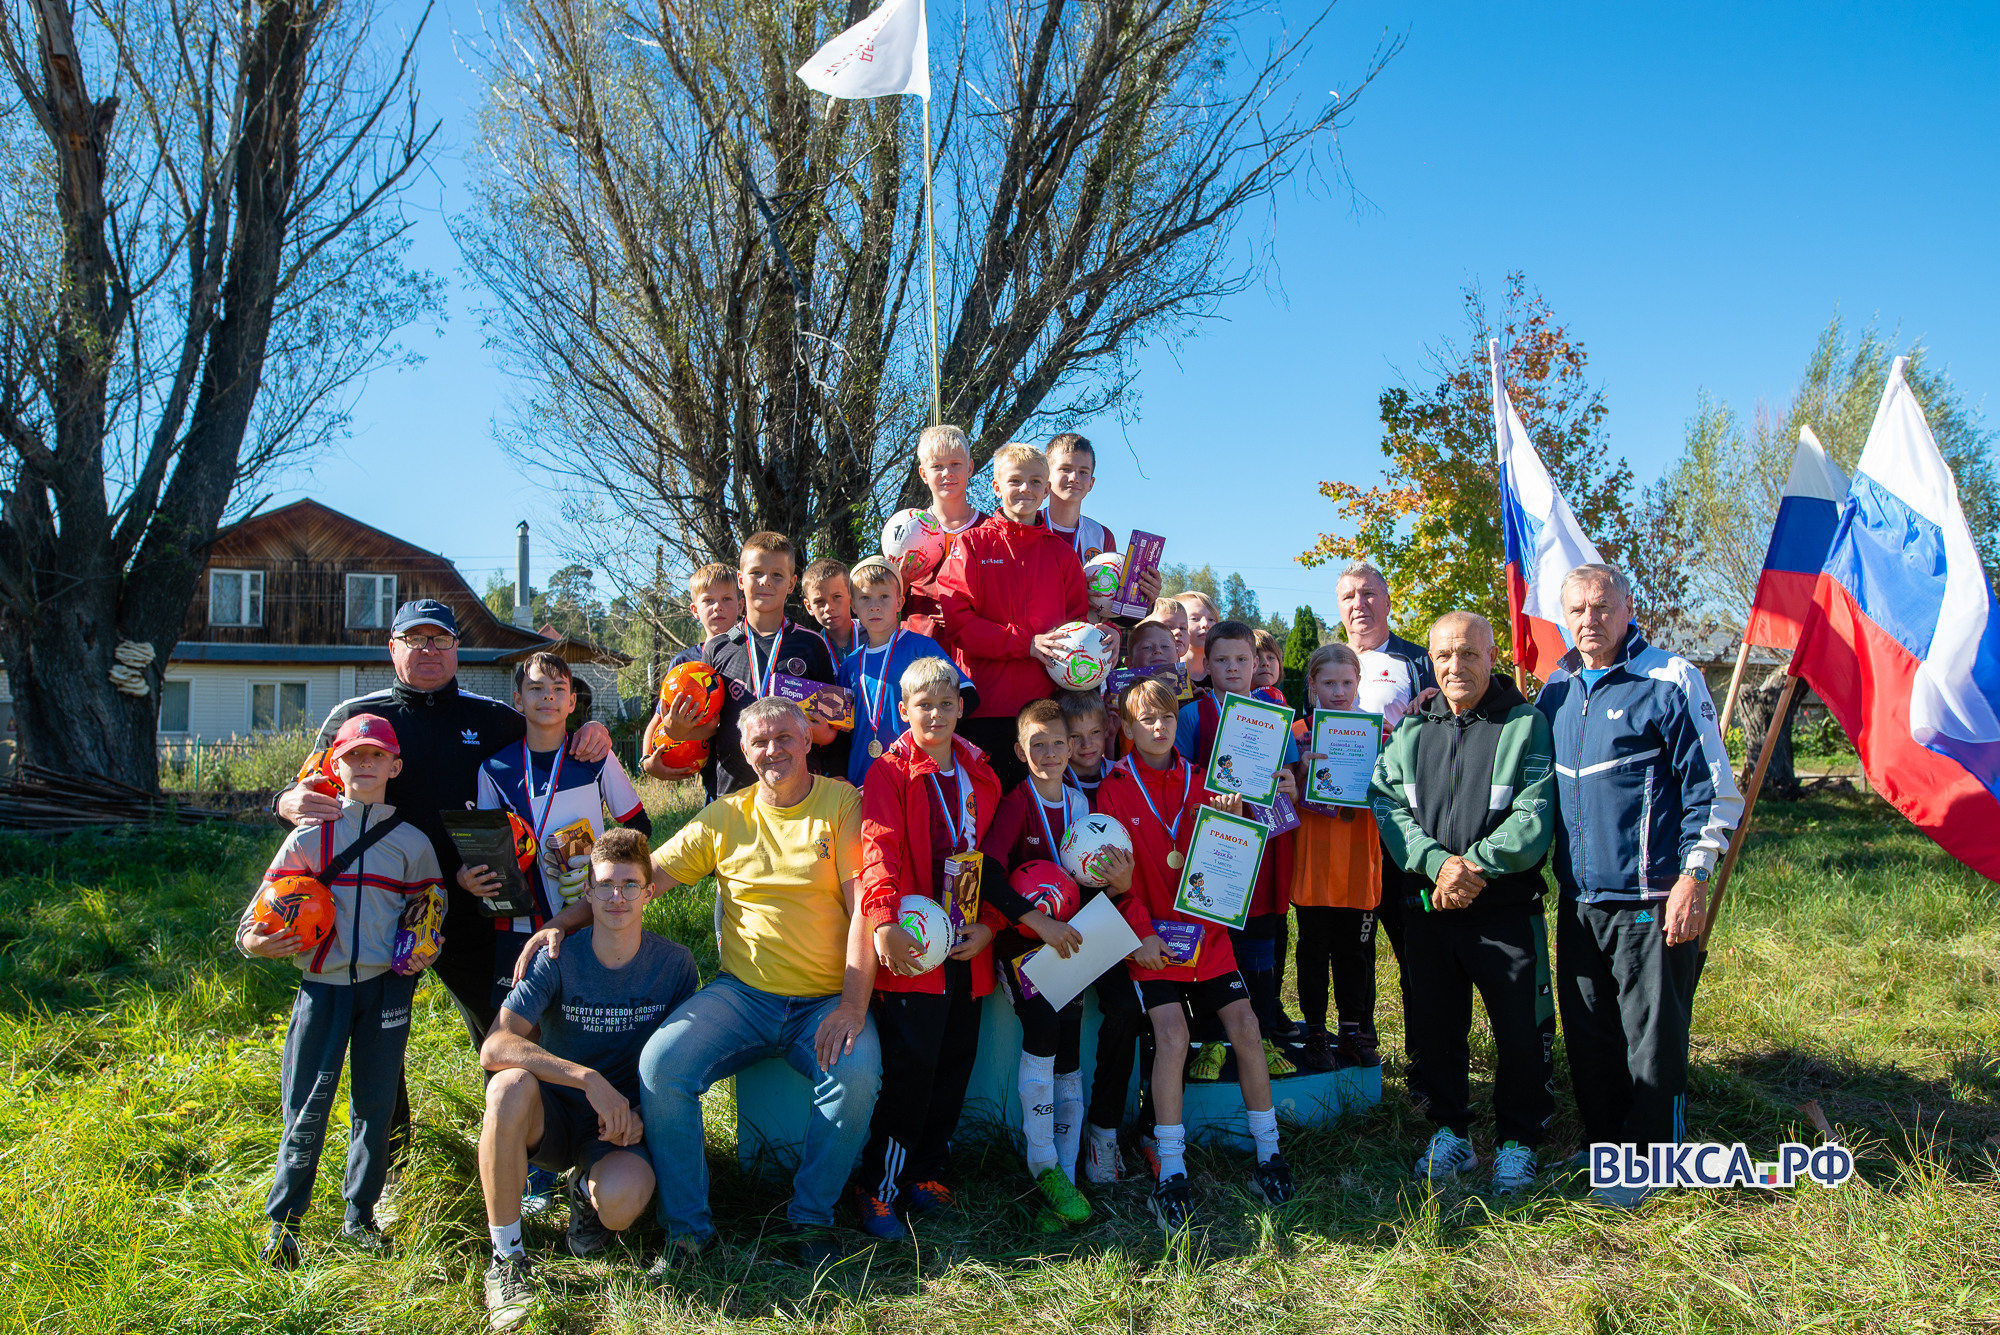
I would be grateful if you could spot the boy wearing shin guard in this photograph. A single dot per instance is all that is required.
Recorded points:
(1156, 794)
(1231, 658)
(1029, 828)
(928, 799)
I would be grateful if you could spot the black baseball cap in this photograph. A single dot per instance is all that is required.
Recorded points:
(424, 612)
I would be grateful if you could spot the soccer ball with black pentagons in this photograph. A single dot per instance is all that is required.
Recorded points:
(1087, 847)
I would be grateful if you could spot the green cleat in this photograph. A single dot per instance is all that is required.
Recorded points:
(1064, 1199)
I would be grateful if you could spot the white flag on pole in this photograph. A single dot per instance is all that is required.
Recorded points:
(884, 55)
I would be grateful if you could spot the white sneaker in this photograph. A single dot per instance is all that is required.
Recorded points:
(1101, 1160)
(1513, 1168)
(1621, 1197)
(1446, 1156)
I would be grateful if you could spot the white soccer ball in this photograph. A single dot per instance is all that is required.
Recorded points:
(1103, 574)
(1089, 841)
(1087, 653)
(914, 542)
(929, 926)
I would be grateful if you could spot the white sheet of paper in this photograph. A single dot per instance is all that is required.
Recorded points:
(1107, 939)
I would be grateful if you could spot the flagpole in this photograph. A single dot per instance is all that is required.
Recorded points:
(1742, 831)
(1735, 682)
(930, 244)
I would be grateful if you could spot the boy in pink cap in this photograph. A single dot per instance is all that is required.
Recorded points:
(355, 985)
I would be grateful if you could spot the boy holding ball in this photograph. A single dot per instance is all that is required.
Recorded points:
(353, 1005)
(928, 799)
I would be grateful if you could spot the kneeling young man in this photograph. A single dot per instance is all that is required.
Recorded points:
(571, 1101)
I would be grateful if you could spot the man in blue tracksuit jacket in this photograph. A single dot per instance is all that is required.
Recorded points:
(1646, 801)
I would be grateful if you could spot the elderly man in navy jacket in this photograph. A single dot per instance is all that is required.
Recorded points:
(1647, 802)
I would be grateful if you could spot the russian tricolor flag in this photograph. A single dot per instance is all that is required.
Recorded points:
(1808, 512)
(1542, 538)
(1903, 638)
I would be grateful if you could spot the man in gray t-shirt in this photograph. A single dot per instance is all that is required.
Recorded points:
(571, 1100)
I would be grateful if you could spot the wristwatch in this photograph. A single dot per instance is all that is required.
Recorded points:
(1696, 873)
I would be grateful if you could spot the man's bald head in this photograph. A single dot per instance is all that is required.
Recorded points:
(1462, 655)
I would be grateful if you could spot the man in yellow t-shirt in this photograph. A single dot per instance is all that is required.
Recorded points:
(798, 966)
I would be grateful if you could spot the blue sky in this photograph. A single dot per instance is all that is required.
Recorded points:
(1696, 189)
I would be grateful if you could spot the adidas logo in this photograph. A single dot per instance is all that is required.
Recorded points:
(1645, 915)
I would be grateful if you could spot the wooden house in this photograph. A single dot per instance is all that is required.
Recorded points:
(292, 616)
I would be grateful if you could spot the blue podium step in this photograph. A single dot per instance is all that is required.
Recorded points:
(773, 1101)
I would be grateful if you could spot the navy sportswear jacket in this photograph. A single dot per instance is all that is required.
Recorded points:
(1644, 790)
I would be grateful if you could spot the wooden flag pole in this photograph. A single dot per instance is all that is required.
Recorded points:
(930, 243)
(1735, 681)
(1742, 832)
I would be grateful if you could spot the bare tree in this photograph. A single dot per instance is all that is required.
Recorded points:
(195, 263)
(711, 279)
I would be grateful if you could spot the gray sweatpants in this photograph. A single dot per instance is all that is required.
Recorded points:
(365, 1025)
(1627, 1002)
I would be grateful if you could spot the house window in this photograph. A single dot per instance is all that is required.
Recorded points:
(174, 706)
(277, 706)
(371, 601)
(235, 597)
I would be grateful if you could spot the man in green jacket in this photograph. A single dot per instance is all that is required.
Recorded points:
(1463, 794)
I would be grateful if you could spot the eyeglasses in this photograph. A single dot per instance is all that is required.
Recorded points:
(436, 644)
(604, 892)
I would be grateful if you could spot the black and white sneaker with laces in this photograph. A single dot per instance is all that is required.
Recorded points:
(1172, 1203)
(1446, 1156)
(510, 1292)
(587, 1234)
(1272, 1181)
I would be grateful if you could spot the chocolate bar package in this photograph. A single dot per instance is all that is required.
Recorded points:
(1279, 817)
(822, 703)
(1142, 553)
(961, 889)
(1183, 940)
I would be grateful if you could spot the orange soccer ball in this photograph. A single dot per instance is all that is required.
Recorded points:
(699, 680)
(320, 776)
(690, 754)
(295, 904)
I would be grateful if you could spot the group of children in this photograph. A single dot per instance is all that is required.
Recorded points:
(962, 744)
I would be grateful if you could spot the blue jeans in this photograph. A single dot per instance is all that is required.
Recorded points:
(724, 1028)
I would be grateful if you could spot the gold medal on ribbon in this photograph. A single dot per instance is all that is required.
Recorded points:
(1174, 859)
(875, 750)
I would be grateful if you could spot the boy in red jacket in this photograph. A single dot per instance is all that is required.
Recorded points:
(1156, 794)
(1005, 585)
(928, 798)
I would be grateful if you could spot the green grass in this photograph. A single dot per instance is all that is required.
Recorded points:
(1856, 966)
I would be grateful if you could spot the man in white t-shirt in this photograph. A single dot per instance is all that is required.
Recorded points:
(1395, 675)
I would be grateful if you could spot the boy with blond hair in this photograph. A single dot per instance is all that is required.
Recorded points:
(873, 673)
(944, 463)
(1005, 586)
(716, 604)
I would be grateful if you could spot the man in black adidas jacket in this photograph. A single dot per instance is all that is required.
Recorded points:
(446, 734)
(1463, 796)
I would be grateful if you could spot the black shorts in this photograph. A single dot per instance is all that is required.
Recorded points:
(506, 950)
(569, 1131)
(1206, 997)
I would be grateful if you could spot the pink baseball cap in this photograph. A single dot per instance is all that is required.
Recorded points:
(363, 730)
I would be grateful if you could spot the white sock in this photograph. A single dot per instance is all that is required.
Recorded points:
(1069, 1120)
(1038, 1112)
(506, 1239)
(1171, 1144)
(1263, 1130)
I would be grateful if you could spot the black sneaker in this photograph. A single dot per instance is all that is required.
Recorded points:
(1271, 1183)
(1316, 1053)
(587, 1234)
(679, 1254)
(364, 1237)
(1172, 1203)
(810, 1245)
(510, 1292)
(281, 1250)
(1357, 1047)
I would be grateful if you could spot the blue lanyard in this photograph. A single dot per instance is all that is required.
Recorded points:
(958, 821)
(877, 700)
(1187, 786)
(1042, 814)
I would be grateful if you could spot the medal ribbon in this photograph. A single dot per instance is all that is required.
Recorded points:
(760, 677)
(1187, 786)
(1042, 814)
(876, 702)
(961, 824)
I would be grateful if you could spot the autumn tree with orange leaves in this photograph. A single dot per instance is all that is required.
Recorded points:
(1433, 525)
